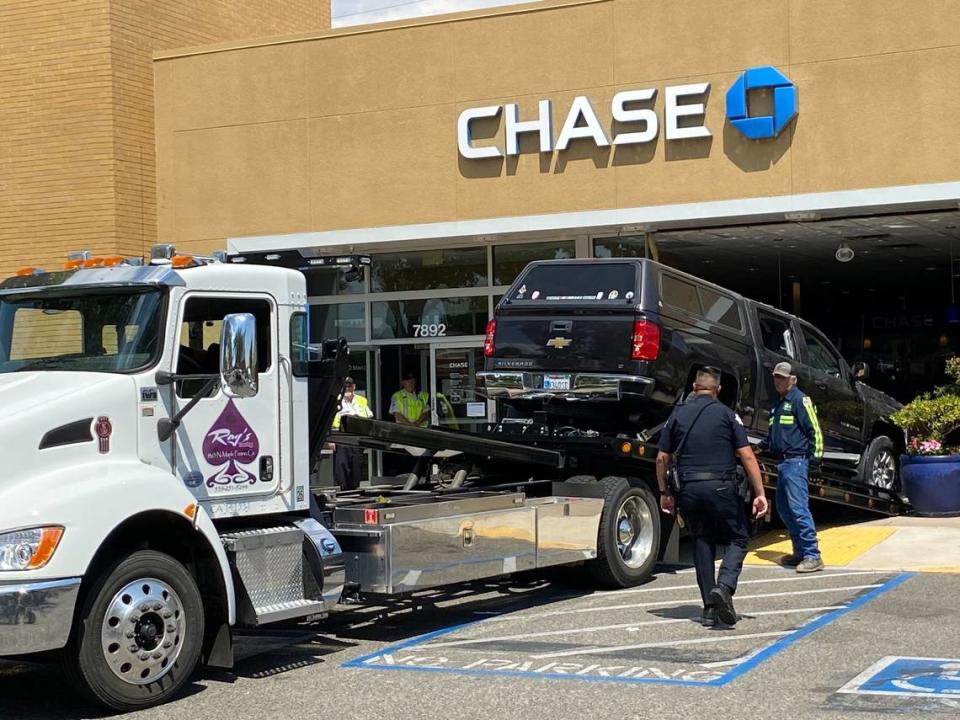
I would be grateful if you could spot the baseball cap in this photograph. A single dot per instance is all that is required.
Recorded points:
(783, 369)
(409, 376)
(349, 381)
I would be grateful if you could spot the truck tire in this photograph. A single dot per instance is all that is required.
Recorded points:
(139, 633)
(878, 466)
(628, 540)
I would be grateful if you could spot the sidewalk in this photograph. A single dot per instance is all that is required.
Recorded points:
(895, 543)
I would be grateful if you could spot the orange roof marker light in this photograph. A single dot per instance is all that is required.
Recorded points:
(93, 262)
(25, 271)
(72, 264)
(179, 262)
(114, 260)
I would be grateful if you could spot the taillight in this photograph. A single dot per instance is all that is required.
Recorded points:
(646, 340)
(488, 344)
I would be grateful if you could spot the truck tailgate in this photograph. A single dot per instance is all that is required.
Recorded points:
(595, 340)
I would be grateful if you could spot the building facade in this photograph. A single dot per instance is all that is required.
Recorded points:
(77, 148)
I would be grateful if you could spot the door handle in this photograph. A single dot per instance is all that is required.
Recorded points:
(821, 385)
(561, 325)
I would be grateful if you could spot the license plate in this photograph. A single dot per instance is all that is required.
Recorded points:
(556, 382)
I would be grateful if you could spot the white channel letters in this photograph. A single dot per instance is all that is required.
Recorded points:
(582, 122)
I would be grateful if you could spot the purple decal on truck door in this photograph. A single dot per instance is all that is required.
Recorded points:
(228, 442)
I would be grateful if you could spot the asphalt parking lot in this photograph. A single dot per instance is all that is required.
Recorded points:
(806, 647)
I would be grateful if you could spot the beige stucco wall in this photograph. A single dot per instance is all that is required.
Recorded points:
(357, 128)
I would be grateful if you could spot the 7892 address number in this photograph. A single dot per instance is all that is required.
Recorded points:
(430, 330)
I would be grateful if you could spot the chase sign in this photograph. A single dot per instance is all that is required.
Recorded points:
(683, 117)
(762, 127)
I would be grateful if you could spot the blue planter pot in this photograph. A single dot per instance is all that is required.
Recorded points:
(932, 483)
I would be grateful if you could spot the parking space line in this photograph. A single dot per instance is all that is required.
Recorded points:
(618, 626)
(673, 601)
(811, 628)
(404, 655)
(792, 578)
(663, 643)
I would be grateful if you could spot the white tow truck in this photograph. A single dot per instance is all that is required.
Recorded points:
(160, 421)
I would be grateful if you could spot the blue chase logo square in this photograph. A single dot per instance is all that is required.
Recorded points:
(762, 127)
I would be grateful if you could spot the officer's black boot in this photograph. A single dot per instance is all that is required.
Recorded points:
(722, 600)
(708, 617)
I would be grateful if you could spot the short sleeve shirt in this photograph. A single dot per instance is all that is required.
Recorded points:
(713, 443)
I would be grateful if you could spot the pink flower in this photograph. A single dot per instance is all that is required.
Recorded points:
(930, 446)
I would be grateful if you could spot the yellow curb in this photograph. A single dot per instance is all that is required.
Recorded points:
(839, 545)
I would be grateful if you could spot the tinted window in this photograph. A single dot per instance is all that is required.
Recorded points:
(634, 247)
(199, 351)
(720, 308)
(577, 282)
(429, 269)
(510, 260)
(818, 356)
(777, 335)
(680, 294)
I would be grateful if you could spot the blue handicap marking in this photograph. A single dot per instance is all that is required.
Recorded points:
(910, 676)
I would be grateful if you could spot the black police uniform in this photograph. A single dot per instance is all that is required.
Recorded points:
(709, 499)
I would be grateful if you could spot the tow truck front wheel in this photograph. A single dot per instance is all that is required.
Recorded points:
(140, 632)
(628, 539)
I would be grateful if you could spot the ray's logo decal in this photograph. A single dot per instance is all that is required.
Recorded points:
(231, 443)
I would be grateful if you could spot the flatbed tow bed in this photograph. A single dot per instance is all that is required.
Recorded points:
(532, 445)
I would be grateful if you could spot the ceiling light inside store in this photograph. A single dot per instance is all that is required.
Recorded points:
(844, 253)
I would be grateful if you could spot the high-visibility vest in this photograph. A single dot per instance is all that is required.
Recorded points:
(363, 410)
(410, 406)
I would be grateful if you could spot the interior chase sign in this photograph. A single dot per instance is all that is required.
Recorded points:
(683, 117)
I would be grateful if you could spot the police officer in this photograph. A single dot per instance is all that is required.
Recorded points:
(706, 437)
(795, 440)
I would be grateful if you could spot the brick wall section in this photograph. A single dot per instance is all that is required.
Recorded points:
(77, 150)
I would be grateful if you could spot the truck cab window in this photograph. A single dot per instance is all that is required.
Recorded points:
(776, 335)
(199, 342)
(818, 356)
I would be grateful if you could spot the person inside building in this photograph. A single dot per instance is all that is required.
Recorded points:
(408, 406)
(348, 460)
(706, 438)
(796, 441)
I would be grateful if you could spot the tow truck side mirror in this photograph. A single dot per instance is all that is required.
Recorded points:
(238, 355)
(861, 371)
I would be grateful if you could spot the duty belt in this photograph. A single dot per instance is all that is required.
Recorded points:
(704, 476)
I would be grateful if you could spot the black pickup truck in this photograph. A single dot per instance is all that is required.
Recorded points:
(612, 345)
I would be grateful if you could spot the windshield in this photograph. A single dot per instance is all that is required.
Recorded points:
(104, 331)
(577, 282)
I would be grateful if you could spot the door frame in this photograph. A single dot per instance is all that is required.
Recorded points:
(459, 344)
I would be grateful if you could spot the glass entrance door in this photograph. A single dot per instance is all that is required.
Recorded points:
(455, 404)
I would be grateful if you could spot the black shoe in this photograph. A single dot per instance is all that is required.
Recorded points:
(791, 560)
(708, 617)
(722, 600)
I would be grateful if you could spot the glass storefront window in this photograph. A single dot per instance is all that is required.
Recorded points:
(631, 247)
(432, 318)
(333, 321)
(332, 281)
(509, 260)
(429, 270)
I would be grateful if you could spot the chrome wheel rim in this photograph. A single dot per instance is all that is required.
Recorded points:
(883, 474)
(142, 631)
(634, 532)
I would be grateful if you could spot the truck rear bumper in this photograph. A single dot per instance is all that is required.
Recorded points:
(512, 384)
(36, 616)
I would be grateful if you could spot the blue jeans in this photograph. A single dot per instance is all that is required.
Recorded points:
(793, 506)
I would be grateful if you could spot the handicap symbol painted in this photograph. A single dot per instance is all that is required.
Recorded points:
(911, 676)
